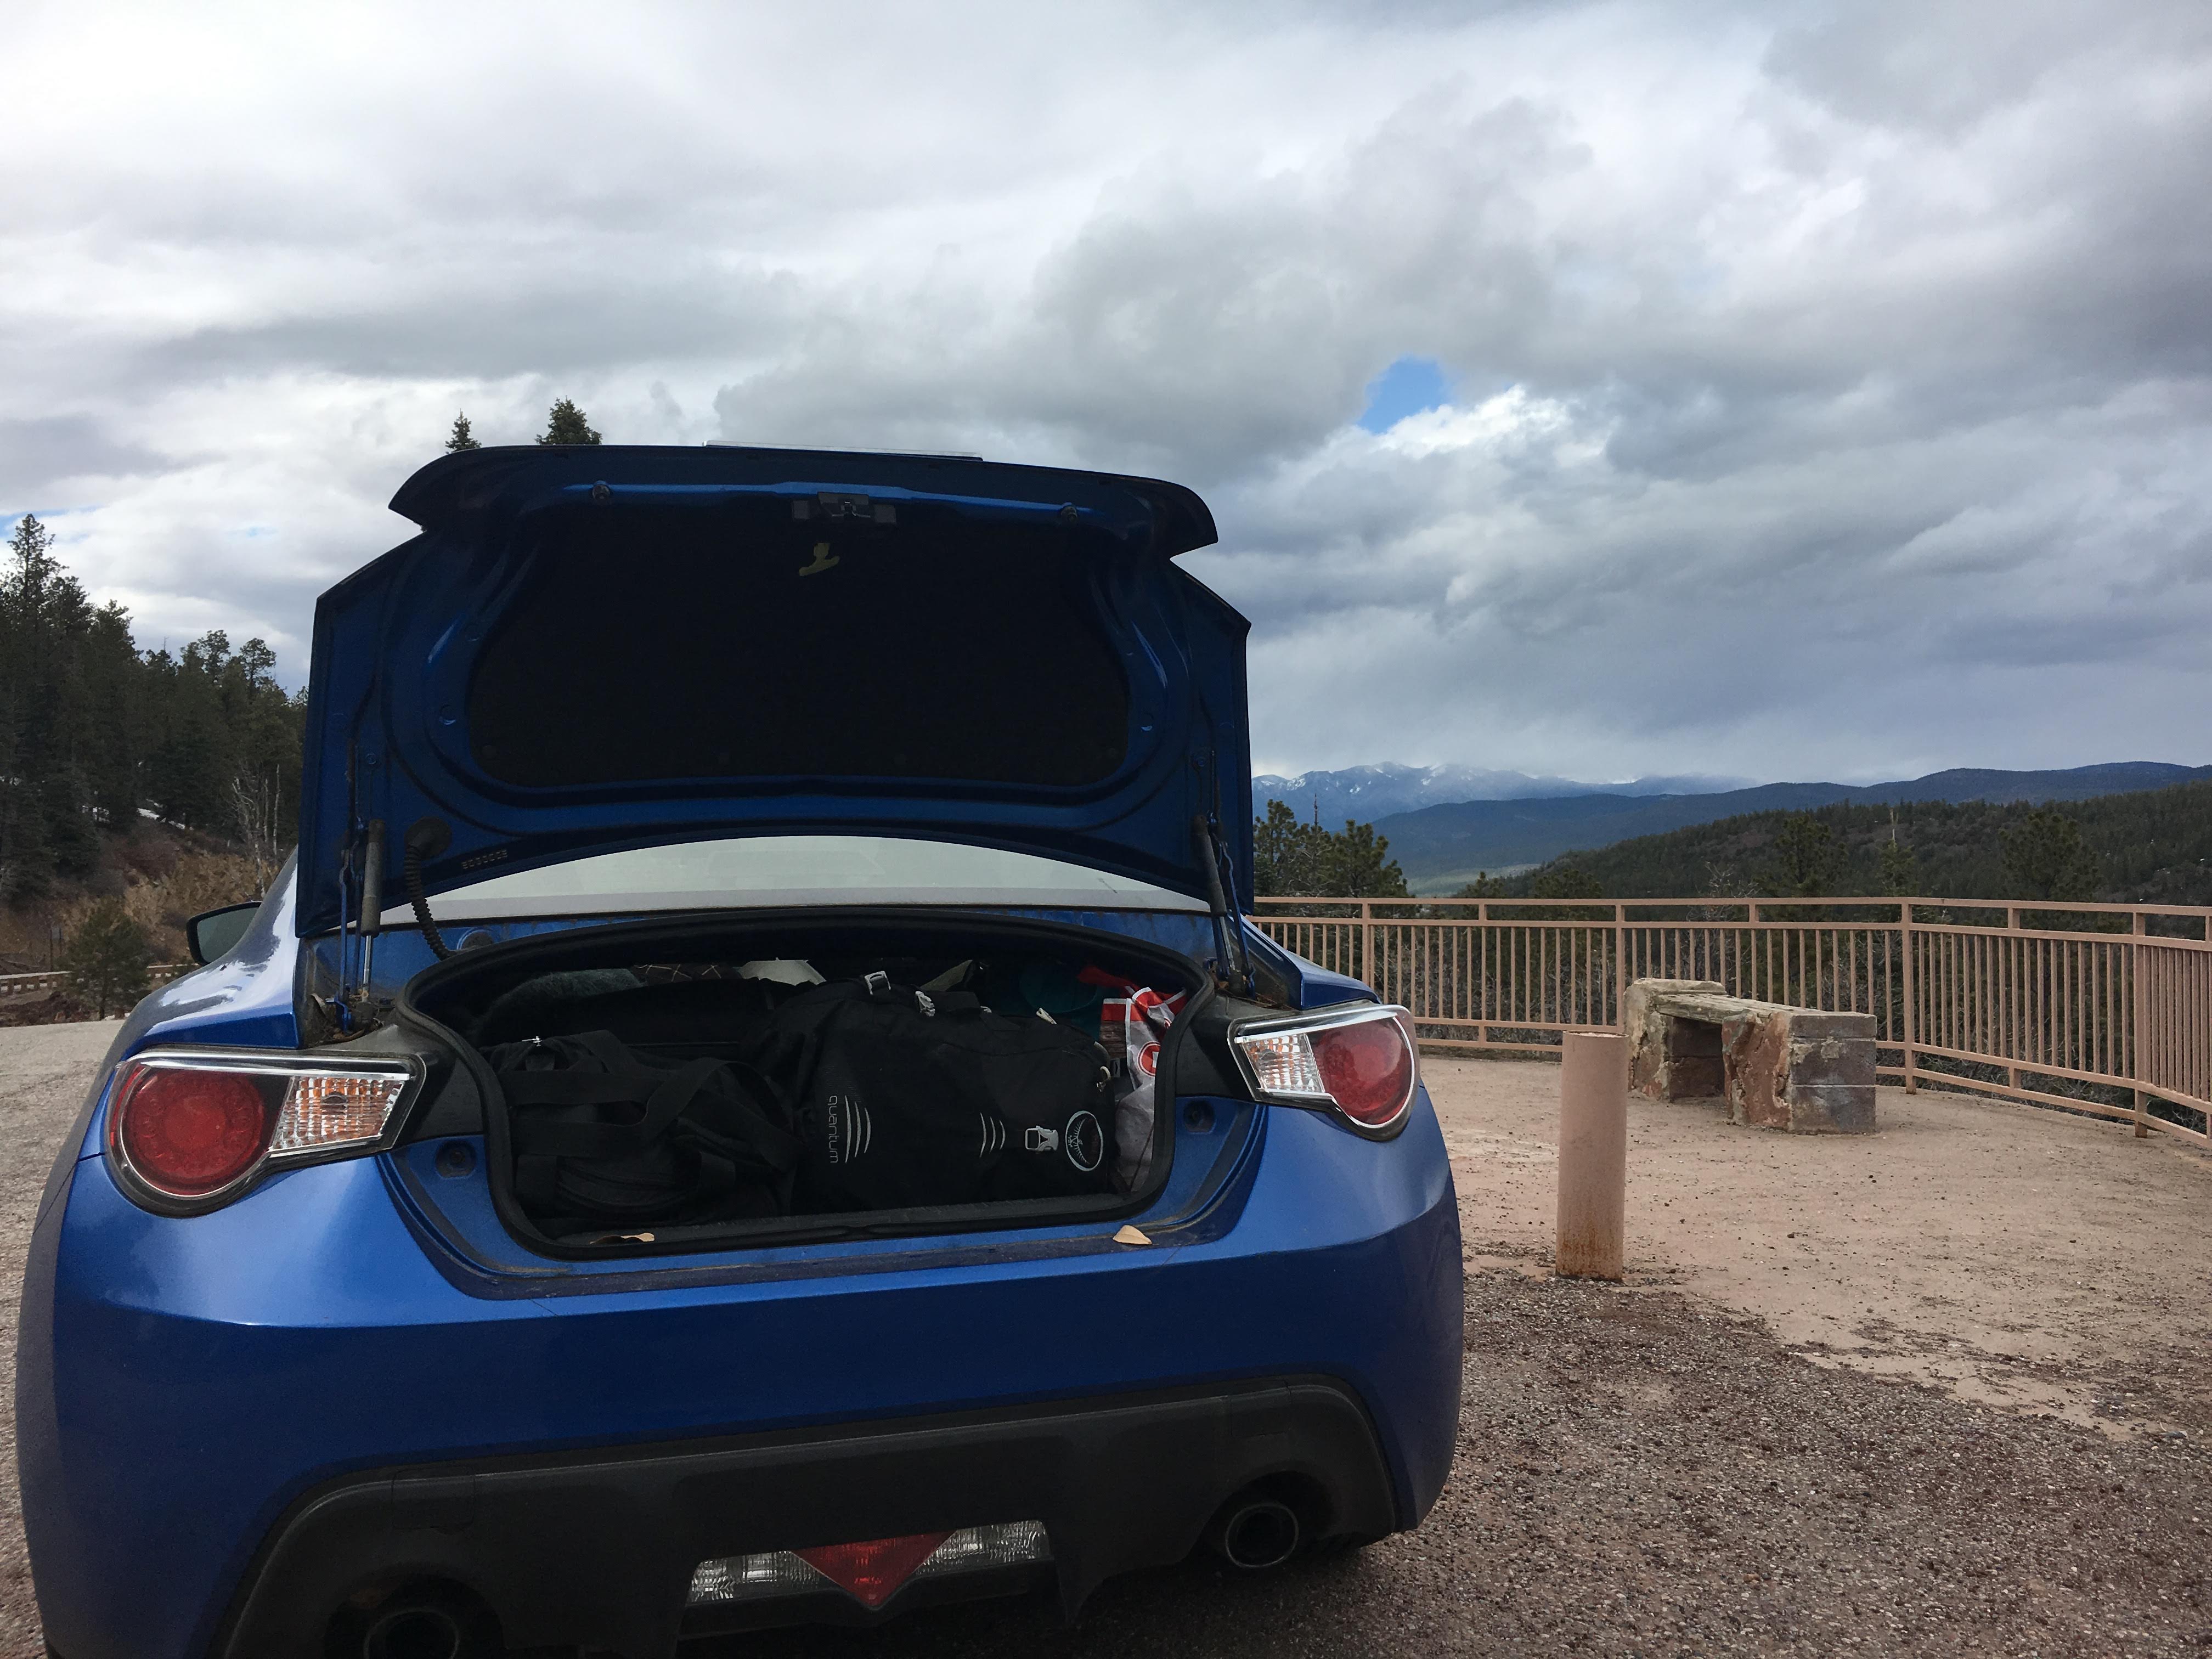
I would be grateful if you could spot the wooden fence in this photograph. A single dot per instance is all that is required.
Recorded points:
(2099, 1008)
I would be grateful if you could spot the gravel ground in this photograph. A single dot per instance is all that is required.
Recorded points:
(1641, 1474)
(1641, 1471)
(44, 1072)
(2021, 1257)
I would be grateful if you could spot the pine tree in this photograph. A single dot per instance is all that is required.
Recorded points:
(1287, 853)
(2046, 857)
(566, 425)
(106, 959)
(114, 681)
(462, 438)
(1806, 858)
(190, 770)
(45, 819)
(1900, 866)
(1292, 859)
(1358, 865)
(1565, 879)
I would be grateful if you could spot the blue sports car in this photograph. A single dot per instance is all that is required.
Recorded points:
(754, 1103)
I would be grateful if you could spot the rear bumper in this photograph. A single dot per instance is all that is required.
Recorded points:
(185, 1388)
(599, 1551)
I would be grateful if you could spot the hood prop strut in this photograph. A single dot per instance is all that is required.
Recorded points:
(1234, 960)
(370, 923)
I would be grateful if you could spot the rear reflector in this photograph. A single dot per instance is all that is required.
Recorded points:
(870, 1572)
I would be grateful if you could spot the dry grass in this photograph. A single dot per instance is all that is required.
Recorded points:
(164, 877)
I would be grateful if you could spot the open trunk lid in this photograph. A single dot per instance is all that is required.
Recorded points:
(591, 649)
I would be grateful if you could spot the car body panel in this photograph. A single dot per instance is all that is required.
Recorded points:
(187, 1386)
(401, 647)
(295, 1366)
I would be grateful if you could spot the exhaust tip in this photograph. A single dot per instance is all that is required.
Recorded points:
(1260, 1534)
(414, 1631)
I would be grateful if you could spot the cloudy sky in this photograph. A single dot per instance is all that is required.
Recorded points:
(1775, 391)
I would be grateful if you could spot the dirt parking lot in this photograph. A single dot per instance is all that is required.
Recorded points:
(1941, 1391)
(2022, 1257)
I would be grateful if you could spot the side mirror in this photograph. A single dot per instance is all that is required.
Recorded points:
(212, 933)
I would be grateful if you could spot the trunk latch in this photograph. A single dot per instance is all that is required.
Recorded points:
(835, 504)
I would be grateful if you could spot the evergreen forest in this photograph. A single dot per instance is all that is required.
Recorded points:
(97, 735)
(2150, 847)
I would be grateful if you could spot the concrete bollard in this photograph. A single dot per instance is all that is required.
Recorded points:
(1593, 1154)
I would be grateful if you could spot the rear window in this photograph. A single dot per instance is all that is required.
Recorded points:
(725, 643)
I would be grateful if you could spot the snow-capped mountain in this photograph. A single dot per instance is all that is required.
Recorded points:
(1367, 793)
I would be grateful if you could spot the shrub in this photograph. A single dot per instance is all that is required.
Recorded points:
(106, 959)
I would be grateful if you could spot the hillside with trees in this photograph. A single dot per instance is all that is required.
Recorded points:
(167, 782)
(137, 787)
(2146, 846)
(1293, 858)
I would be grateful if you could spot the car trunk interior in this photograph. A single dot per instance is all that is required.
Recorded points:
(703, 1081)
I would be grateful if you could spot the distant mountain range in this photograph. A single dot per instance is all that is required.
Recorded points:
(1441, 847)
(1369, 792)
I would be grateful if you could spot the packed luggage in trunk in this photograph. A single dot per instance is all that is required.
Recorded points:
(659, 1083)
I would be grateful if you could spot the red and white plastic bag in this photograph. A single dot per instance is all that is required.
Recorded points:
(1131, 1030)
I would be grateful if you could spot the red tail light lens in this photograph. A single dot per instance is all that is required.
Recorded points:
(1368, 1069)
(189, 1130)
(1361, 1061)
(190, 1134)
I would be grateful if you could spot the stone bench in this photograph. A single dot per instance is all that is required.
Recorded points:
(1779, 1067)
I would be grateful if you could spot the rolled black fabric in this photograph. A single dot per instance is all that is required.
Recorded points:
(605, 1136)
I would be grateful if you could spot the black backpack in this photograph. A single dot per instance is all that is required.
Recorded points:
(606, 1138)
(905, 1099)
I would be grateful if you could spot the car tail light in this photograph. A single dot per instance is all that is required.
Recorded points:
(189, 1130)
(1361, 1062)
(870, 1572)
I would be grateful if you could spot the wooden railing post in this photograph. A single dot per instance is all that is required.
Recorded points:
(1912, 1073)
(1367, 947)
(1620, 965)
(2135, 1059)
(1593, 1155)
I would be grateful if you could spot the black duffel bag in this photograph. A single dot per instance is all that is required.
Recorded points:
(606, 1138)
(906, 1098)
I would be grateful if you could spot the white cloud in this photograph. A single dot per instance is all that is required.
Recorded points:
(1834, 384)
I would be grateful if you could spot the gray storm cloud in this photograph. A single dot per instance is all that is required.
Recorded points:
(1831, 389)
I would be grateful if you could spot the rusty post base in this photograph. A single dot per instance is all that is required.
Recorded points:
(1593, 1154)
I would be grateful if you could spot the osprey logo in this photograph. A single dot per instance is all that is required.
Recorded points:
(1086, 1140)
(1081, 1139)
